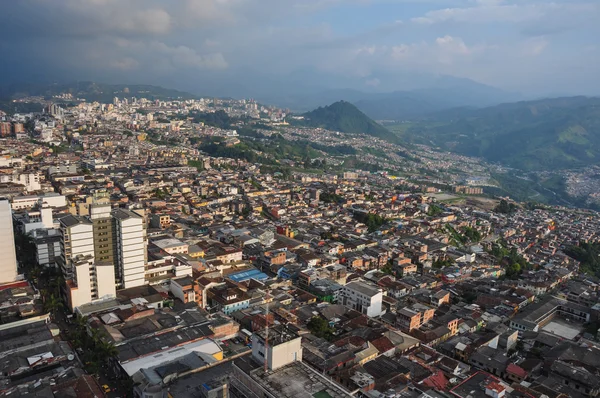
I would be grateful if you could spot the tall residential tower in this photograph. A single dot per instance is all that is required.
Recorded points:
(8, 254)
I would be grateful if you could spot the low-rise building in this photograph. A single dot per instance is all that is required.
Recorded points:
(363, 298)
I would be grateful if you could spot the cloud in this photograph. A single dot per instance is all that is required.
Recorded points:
(535, 46)
(485, 13)
(452, 45)
(182, 56)
(126, 63)
(498, 11)
(353, 43)
(375, 82)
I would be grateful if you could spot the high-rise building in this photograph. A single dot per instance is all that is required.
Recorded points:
(5, 129)
(18, 128)
(100, 215)
(47, 246)
(91, 281)
(108, 238)
(77, 239)
(130, 248)
(8, 254)
(87, 278)
(56, 111)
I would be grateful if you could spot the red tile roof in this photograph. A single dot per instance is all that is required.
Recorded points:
(383, 344)
(437, 380)
(516, 370)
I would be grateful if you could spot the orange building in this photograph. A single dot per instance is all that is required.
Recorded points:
(412, 317)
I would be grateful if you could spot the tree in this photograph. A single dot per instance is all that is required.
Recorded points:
(441, 263)
(106, 350)
(52, 304)
(320, 327)
(388, 269)
(505, 207)
(329, 197)
(371, 220)
(472, 234)
(513, 271)
(588, 254)
(434, 210)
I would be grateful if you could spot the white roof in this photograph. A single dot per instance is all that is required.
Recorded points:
(37, 358)
(205, 346)
(110, 318)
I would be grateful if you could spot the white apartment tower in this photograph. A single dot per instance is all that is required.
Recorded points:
(130, 248)
(77, 239)
(87, 279)
(8, 254)
(91, 281)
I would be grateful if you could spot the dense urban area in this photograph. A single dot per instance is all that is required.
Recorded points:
(223, 248)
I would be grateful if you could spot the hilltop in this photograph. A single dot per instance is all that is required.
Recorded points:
(344, 117)
(92, 91)
(544, 134)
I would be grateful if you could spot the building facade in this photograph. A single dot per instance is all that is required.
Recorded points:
(8, 254)
(130, 247)
(363, 298)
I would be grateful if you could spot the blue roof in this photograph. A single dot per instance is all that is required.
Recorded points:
(250, 274)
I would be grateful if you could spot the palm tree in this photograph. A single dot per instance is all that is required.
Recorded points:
(80, 322)
(52, 304)
(107, 350)
(57, 283)
(35, 273)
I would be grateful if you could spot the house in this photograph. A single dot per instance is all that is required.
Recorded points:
(229, 298)
(186, 290)
(413, 316)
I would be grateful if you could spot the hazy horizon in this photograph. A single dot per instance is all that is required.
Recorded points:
(535, 48)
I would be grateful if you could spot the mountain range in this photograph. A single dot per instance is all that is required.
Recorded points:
(545, 134)
(412, 101)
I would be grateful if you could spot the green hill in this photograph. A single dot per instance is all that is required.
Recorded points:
(533, 135)
(344, 117)
(92, 91)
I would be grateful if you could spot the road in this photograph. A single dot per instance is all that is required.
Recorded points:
(106, 375)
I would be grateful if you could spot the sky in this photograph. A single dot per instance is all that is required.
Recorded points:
(535, 47)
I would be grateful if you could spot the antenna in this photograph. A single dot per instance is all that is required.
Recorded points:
(267, 332)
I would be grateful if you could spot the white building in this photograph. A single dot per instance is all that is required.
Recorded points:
(8, 254)
(47, 246)
(91, 282)
(31, 181)
(48, 200)
(40, 218)
(282, 348)
(165, 268)
(363, 298)
(130, 248)
(172, 245)
(77, 240)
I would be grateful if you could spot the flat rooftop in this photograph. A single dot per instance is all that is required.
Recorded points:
(363, 288)
(563, 328)
(278, 335)
(168, 243)
(296, 380)
(191, 385)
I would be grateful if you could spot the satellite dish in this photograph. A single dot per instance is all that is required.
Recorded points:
(70, 357)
